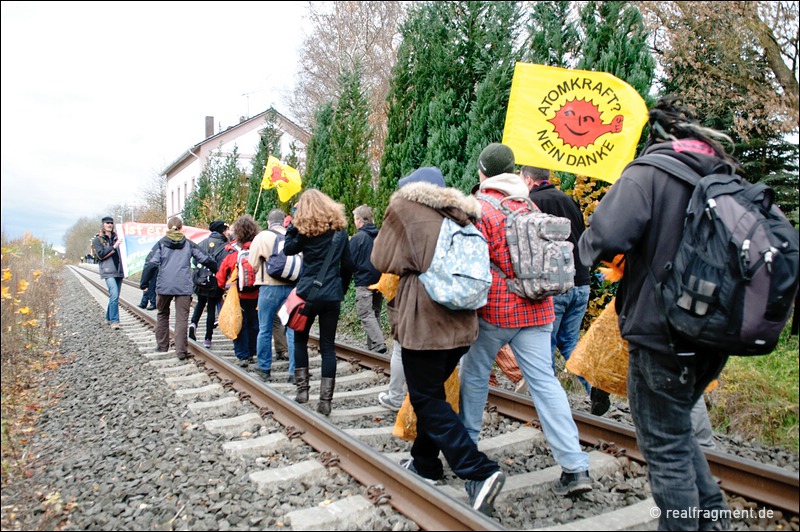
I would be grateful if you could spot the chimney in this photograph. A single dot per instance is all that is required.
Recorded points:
(209, 126)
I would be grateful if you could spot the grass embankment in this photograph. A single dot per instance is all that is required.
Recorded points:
(758, 396)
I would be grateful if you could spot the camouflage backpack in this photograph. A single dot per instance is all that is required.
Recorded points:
(541, 256)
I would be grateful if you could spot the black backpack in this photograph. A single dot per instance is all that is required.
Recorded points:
(733, 279)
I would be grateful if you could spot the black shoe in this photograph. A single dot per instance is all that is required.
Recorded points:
(151, 307)
(482, 493)
(291, 380)
(192, 335)
(573, 483)
(600, 401)
(265, 374)
(243, 362)
(143, 306)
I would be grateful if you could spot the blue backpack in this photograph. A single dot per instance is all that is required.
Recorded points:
(459, 276)
(281, 266)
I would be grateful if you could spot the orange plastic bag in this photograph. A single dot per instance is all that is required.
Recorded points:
(405, 426)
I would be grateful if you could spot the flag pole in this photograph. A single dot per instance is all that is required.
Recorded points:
(257, 200)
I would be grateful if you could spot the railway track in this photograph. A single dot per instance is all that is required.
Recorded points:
(356, 440)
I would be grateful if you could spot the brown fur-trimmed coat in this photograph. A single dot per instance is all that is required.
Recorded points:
(405, 246)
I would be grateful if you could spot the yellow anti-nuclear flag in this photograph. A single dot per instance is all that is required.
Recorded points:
(578, 121)
(284, 177)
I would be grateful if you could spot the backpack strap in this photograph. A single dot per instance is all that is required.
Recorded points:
(670, 165)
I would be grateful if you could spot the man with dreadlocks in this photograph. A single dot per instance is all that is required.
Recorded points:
(641, 217)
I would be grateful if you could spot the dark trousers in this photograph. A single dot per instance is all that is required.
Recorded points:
(211, 315)
(149, 295)
(438, 426)
(662, 390)
(328, 313)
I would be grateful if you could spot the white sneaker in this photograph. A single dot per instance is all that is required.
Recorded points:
(522, 387)
(383, 399)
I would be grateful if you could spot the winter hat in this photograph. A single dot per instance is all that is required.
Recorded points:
(107, 219)
(218, 226)
(428, 174)
(496, 159)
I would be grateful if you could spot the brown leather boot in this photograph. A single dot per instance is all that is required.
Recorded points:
(301, 380)
(326, 395)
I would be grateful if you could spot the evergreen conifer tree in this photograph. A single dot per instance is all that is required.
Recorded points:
(318, 150)
(348, 177)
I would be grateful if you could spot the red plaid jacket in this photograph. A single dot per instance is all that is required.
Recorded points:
(503, 308)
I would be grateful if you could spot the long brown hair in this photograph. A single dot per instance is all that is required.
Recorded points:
(317, 213)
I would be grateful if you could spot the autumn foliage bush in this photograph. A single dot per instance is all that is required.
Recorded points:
(27, 344)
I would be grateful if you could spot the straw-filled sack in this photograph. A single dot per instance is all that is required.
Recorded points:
(601, 356)
(405, 426)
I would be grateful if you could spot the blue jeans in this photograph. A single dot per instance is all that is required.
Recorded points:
(114, 285)
(270, 299)
(531, 348)
(570, 308)
(290, 344)
(438, 426)
(244, 346)
(662, 390)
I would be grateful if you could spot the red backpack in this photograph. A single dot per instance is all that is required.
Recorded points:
(246, 275)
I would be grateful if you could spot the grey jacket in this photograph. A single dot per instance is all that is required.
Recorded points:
(110, 260)
(174, 261)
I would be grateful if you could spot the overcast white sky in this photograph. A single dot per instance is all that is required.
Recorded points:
(99, 97)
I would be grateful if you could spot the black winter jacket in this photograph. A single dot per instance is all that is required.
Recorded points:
(642, 216)
(314, 249)
(214, 247)
(360, 250)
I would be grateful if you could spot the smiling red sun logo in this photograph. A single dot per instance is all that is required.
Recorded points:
(578, 123)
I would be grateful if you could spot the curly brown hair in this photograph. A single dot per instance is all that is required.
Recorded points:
(317, 213)
(245, 228)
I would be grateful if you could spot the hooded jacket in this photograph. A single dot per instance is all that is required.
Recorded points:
(642, 217)
(360, 250)
(405, 246)
(173, 255)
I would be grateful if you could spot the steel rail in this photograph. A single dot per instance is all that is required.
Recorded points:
(424, 504)
(765, 483)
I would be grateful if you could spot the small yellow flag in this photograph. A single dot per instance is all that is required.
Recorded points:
(284, 177)
(578, 121)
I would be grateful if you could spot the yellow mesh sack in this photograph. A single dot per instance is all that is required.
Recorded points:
(230, 316)
(405, 426)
